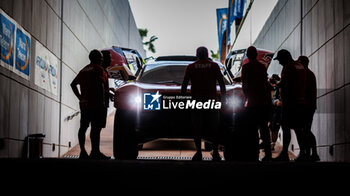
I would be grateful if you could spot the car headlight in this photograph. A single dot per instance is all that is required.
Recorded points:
(135, 101)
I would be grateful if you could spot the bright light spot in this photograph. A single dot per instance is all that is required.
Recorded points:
(137, 99)
(234, 102)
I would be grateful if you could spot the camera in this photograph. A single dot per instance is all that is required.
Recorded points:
(274, 79)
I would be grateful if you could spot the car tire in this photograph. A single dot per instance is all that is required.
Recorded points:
(125, 146)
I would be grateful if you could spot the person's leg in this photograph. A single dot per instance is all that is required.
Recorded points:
(212, 121)
(265, 136)
(81, 138)
(264, 131)
(275, 127)
(251, 135)
(84, 124)
(312, 142)
(95, 140)
(302, 142)
(311, 139)
(274, 136)
(300, 124)
(97, 123)
(286, 122)
(286, 140)
(197, 133)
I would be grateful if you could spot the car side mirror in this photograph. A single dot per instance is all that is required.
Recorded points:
(120, 72)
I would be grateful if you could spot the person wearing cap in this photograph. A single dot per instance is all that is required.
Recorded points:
(203, 75)
(310, 96)
(258, 97)
(292, 85)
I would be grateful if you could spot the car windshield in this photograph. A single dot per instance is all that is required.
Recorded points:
(165, 74)
(172, 74)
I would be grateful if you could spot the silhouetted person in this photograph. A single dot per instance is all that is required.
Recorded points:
(258, 96)
(275, 121)
(105, 64)
(93, 81)
(292, 85)
(310, 96)
(203, 75)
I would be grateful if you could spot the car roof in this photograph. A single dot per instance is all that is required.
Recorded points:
(168, 63)
(155, 64)
(176, 58)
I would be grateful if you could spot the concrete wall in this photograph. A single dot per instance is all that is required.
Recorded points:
(253, 22)
(320, 30)
(84, 25)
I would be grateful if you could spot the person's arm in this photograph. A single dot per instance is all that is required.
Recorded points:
(220, 79)
(314, 91)
(286, 84)
(244, 79)
(74, 84)
(185, 81)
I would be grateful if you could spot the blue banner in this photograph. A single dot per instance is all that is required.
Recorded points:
(222, 25)
(235, 10)
(7, 35)
(238, 9)
(22, 52)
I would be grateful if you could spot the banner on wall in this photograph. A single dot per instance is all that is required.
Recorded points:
(22, 60)
(46, 68)
(7, 40)
(15, 46)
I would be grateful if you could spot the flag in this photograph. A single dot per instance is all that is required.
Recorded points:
(222, 33)
(239, 8)
(235, 10)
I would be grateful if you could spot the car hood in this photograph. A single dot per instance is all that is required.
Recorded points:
(147, 87)
(126, 94)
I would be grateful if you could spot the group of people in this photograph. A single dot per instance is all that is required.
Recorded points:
(293, 102)
(288, 102)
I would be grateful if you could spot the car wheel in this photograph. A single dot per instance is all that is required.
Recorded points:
(124, 138)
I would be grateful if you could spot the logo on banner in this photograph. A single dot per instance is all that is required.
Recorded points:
(151, 101)
(22, 52)
(7, 31)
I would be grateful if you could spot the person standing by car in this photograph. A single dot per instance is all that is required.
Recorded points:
(292, 85)
(275, 121)
(258, 96)
(310, 96)
(93, 81)
(106, 62)
(203, 75)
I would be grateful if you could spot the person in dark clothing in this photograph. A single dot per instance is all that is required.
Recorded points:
(258, 95)
(292, 85)
(105, 64)
(275, 121)
(93, 81)
(310, 96)
(203, 75)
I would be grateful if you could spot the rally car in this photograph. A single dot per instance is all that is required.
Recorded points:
(237, 58)
(149, 107)
(124, 62)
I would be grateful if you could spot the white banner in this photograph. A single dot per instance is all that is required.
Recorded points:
(46, 68)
